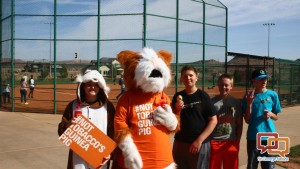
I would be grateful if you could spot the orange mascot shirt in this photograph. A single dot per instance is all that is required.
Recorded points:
(134, 111)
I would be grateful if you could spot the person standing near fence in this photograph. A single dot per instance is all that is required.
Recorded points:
(6, 94)
(122, 85)
(226, 138)
(261, 107)
(198, 119)
(31, 87)
(23, 90)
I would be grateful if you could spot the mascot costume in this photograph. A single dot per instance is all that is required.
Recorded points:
(144, 118)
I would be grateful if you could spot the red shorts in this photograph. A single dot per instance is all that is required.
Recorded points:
(226, 152)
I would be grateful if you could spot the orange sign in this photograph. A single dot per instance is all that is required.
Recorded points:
(90, 143)
(272, 146)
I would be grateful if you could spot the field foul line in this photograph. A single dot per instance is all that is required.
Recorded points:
(47, 91)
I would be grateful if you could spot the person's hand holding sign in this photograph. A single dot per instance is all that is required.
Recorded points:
(105, 160)
(67, 122)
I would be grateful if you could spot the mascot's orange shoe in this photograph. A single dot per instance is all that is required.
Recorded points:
(144, 118)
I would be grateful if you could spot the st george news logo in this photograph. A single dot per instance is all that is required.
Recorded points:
(273, 147)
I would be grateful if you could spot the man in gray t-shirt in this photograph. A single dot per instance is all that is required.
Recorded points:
(229, 110)
(226, 137)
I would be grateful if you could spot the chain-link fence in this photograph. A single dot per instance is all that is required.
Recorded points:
(287, 81)
(55, 40)
(284, 74)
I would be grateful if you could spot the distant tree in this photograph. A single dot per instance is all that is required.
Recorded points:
(237, 76)
(63, 72)
(27, 68)
(44, 74)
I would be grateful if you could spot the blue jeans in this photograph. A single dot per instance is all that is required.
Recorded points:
(23, 95)
(253, 153)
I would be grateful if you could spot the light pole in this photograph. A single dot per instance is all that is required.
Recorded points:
(269, 25)
(50, 23)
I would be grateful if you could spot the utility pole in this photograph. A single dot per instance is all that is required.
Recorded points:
(50, 25)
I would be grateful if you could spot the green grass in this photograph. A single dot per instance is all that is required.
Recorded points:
(295, 151)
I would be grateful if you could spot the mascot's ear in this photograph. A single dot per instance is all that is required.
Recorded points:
(125, 56)
(166, 56)
(129, 59)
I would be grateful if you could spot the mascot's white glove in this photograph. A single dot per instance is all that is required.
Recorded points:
(132, 157)
(166, 117)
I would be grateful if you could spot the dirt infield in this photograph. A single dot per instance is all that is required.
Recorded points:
(43, 101)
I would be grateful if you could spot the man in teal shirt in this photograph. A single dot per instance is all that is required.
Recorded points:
(261, 107)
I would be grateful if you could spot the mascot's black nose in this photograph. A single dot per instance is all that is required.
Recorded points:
(155, 73)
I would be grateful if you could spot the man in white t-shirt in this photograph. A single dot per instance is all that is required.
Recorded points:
(31, 87)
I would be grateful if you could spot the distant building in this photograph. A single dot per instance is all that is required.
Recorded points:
(108, 66)
(104, 70)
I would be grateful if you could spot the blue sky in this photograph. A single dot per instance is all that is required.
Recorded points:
(246, 33)
(69, 29)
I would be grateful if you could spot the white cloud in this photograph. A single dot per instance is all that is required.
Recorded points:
(242, 12)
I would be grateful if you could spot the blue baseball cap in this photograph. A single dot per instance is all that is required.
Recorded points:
(259, 74)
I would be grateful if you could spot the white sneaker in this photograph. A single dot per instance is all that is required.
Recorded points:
(26, 103)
